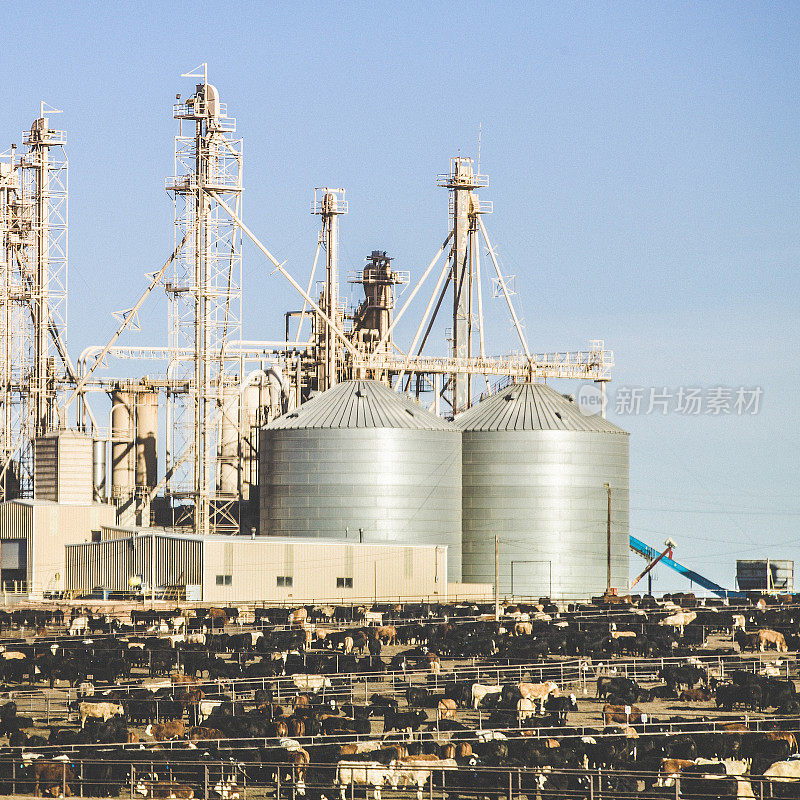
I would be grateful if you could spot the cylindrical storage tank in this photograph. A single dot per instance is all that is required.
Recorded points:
(535, 470)
(229, 441)
(99, 469)
(361, 457)
(255, 398)
(146, 439)
(122, 444)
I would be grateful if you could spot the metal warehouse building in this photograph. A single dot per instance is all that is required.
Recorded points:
(32, 538)
(224, 569)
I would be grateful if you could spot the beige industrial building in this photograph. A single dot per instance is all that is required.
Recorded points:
(236, 569)
(32, 538)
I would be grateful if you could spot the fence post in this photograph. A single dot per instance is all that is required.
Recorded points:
(81, 779)
(205, 781)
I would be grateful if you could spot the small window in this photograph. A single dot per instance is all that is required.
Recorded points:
(224, 580)
(344, 583)
(284, 580)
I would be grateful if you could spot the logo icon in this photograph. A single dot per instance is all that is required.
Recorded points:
(590, 400)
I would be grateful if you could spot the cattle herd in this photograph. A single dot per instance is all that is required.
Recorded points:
(616, 698)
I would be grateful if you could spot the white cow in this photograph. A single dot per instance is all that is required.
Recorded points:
(525, 708)
(362, 773)
(480, 690)
(206, 707)
(79, 626)
(311, 683)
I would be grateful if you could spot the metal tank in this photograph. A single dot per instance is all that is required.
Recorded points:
(535, 470)
(123, 472)
(99, 469)
(246, 408)
(146, 463)
(361, 461)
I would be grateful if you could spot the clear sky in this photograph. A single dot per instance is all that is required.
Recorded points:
(644, 165)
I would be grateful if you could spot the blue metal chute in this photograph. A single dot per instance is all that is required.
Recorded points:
(650, 553)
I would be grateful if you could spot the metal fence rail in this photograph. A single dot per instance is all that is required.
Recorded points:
(237, 780)
(355, 687)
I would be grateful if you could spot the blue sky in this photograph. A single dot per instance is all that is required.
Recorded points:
(644, 168)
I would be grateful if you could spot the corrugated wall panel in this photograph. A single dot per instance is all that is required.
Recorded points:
(45, 469)
(254, 567)
(74, 468)
(63, 468)
(17, 522)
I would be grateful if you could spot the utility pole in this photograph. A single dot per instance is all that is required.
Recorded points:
(608, 538)
(497, 577)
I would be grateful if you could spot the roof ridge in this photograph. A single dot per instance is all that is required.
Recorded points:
(361, 404)
(531, 406)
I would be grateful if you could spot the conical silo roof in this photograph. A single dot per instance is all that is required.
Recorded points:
(361, 404)
(531, 407)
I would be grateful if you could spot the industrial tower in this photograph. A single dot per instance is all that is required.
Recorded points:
(34, 364)
(204, 293)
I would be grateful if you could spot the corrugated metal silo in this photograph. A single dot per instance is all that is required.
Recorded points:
(123, 445)
(534, 469)
(146, 455)
(361, 456)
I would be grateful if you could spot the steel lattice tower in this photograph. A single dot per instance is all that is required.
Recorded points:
(33, 296)
(205, 296)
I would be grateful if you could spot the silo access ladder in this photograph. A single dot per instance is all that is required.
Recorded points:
(651, 554)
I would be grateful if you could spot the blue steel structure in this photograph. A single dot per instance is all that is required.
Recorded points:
(650, 553)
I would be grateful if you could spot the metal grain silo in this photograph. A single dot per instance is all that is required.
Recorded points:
(535, 470)
(361, 457)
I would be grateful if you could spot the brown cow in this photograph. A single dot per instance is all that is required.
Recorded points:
(768, 637)
(175, 729)
(218, 617)
(386, 634)
(301, 700)
(670, 769)
(460, 750)
(786, 736)
(446, 709)
(200, 734)
(53, 778)
(623, 715)
(698, 695)
(298, 760)
(298, 617)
